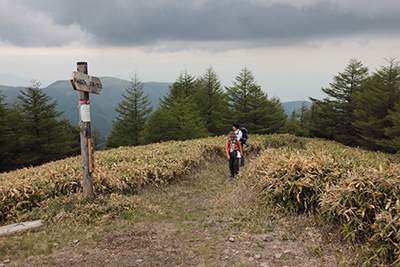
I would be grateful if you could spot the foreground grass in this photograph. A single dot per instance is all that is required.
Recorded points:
(200, 212)
(71, 219)
(352, 190)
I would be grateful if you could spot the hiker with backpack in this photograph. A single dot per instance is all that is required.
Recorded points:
(245, 137)
(234, 151)
(242, 135)
(237, 131)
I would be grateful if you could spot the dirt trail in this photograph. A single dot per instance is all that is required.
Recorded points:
(202, 220)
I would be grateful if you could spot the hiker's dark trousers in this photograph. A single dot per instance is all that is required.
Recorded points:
(233, 163)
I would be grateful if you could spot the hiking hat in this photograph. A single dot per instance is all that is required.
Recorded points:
(232, 134)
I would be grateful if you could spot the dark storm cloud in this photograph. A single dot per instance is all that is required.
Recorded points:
(150, 22)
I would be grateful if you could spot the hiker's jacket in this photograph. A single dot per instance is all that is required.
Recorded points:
(237, 145)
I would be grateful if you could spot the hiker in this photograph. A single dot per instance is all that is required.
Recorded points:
(238, 132)
(234, 151)
(245, 138)
(239, 136)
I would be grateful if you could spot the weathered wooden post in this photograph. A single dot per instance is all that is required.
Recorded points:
(85, 84)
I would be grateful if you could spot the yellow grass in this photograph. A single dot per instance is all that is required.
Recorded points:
(124, 169)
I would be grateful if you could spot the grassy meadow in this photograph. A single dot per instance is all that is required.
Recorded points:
(351, 189)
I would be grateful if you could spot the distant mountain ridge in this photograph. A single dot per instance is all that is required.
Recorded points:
(292, 105)
(102, 107)
(9, 79)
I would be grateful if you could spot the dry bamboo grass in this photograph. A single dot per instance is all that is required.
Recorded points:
(120, 170)
(354, 189)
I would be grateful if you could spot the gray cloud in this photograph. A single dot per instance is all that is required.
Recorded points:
(23, 26)
(152, 22)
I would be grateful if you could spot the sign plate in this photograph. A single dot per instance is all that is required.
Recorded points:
(85, 113)
(86, 83)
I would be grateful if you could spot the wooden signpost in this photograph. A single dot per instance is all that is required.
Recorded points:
(85, 84)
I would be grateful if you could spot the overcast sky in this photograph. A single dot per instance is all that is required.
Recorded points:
(293, 47)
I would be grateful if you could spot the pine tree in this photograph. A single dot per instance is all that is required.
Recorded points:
(161, 126)
(3, 129)
(184, 86)
(377, 106)
(334, 116)
(178, 116)
(189, 123)
(299, 121)
(304, 116)
(292, 125)
(42, 134)
(11, 131)
(250, 107)
(393, 132)
(133, 113)
(211, 100)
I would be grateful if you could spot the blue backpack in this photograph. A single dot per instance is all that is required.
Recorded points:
(245, 135)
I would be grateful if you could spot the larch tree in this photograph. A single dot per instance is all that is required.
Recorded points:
(211, 101)
(250, 106)
(43, 135)
(184, 86)
(160, 126)
(377, 108)
(4, 149)
(333, 117)
(299, 121)
(10, 133)
(133, 112)
(178, 116)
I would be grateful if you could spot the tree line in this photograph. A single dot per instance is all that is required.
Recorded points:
(33, 132)
(361, 109)
(195, 108)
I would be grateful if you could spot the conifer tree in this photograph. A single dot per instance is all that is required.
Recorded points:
(393, 132)
(377, 108)
(274, 119)
(43, 135)
(11, 132)
(133, 113)
(184, 86)
(160, 126)
(189, 123)
(212, 103)
(292, 125)
(3, 130)
(250, 106)
(333, 116)
(178, 116)
(299, 121)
